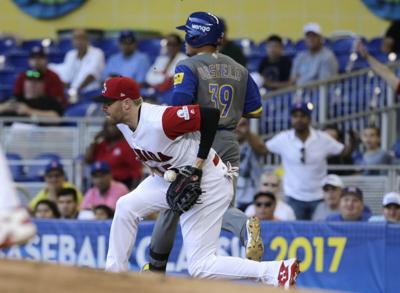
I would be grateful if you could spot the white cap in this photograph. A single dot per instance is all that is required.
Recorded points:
(334, 180)
(312, 27)
(391, 198)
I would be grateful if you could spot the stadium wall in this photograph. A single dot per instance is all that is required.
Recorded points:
(252, 18)
(355, 257)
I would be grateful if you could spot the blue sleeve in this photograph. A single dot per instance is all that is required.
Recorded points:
(185, 86)
(252, 102)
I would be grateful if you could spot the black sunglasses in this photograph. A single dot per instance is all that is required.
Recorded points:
(303, 155)
(267, 204)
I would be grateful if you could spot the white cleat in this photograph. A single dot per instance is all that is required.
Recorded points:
(255, 245)
(287, 272)
(15, 227)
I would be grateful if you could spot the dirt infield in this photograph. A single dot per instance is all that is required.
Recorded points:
(33, 277)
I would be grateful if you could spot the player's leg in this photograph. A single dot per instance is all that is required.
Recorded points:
(162, 240)
(15, 226)
(248, 230)
(201, 228)
(148, 197)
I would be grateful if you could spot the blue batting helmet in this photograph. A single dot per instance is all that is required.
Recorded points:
(202, 28)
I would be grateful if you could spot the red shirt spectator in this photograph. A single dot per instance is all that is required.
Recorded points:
(121, 159)
(111, 147)
(53, 86)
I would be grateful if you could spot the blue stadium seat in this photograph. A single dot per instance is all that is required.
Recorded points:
(87, 97)
(55, 56)
(374, 45)
(110, 46)
(17, 171)
(27, 45)
(36, 172)
(78, 110)
(396, 149)
(64, 45)
(151, 47)
(343, 46)
(8, 76)
(5, 92)
(17, 59)
(7, 44)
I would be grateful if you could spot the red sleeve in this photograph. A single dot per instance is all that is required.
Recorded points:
(179, 120)
(19, 85)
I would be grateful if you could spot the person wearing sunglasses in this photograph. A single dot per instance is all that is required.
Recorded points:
(265, 204)
(38, 91)
(304, 152)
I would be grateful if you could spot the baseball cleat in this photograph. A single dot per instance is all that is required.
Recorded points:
(15, 227)
(254, 246)
(288, 272)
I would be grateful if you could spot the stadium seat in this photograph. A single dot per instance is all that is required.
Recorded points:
(36, 172)
(374, 45)
(80, 110)
(87, 97)
(5, 92)
(396, 149)
(64, 45)
(55, 56)
(343, 46)
(151, 47)
(17, 171)
(7, 44)
(8, 76)
(17, 59)
(27, 45)
(109, 46)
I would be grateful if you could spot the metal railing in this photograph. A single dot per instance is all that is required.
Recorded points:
(350, 100)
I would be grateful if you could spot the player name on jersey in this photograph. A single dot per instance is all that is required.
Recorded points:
(219, 71)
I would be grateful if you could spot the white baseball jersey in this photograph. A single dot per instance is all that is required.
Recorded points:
(166, 137)
(169, 137)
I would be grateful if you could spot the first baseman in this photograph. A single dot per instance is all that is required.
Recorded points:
(174, 137)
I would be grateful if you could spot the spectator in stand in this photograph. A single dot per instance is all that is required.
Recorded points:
(67, 203)
(317, 62)
(391, 40)
(381, 69)
(83, 66)
(103, 212)
(109, 146)
(332, 187)
(265, 203)
(304, 152)
(129, 61)
(351, 207)
(55, 180)
(229, 48)
(46, 209)
(373, 154)
(275, 68)
(391, 209)
(38, 92)
(346, 159)
(161, 74)
(270, 182)
(249, 168)
(105, 190)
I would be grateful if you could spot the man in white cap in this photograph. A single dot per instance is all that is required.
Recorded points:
(391, 209)
(332, 187)
(315, 63)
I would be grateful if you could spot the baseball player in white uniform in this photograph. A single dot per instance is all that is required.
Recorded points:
(171, 137)
(15, 225)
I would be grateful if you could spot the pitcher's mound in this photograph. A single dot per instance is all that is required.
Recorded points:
(34, 277)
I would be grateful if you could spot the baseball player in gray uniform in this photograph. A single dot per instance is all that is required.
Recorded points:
(215, 80)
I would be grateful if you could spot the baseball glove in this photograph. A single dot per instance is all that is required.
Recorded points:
(184, 191)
